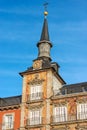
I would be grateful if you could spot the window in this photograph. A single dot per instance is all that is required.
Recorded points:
(82, 111)
(35, 117)
(60, 114)
(35, 92)
(7, 122)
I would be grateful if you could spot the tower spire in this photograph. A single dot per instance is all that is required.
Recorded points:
(44, 45)
(45, 33)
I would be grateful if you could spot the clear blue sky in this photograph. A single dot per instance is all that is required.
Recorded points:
(20, 29)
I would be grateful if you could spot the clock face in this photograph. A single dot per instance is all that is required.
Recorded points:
(37, 64)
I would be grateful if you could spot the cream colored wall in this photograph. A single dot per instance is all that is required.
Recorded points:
(56, 84)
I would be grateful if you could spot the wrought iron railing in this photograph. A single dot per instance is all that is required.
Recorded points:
(58, 118)
(82, 115)
(67, 118)
(35, 96)
(35, 121)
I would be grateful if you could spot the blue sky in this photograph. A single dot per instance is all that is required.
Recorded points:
(20, 29)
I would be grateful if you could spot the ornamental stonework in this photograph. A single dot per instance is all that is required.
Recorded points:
(36, 80)
(37, 64)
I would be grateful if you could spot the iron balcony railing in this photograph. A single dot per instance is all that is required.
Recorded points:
(67, 118)
(35, 121)
(58, 118)
(82, 115)
(8, 126)
(35, 96)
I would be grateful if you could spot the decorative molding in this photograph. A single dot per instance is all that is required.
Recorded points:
(60, 103)
(78, 127)
(62, 128)
(36, 80)
(82, 100)
(38, 106)
(10, 107)
(76, 95)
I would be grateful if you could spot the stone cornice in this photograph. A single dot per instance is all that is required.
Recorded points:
(9, 107)
(69, 122)
(35, 106)
(69, 95)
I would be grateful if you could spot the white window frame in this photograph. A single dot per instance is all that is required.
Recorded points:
(60, 113)
(35, 116)
(35, 92)
(8, 121)
(81, 111)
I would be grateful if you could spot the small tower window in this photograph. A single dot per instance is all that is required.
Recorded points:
(35, 92)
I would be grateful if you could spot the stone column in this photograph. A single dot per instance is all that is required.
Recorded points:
(22, 125)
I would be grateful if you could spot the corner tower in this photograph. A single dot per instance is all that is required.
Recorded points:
(40, 82)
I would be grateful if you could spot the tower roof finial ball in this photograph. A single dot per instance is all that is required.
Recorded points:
(45, 13)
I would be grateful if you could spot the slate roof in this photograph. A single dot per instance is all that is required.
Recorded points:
(45, 33)
(9, 101)
(74, 88)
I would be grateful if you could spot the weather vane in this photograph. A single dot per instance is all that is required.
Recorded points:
(45, 9)
(45, 6)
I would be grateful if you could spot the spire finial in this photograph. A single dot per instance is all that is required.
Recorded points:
(45, 9)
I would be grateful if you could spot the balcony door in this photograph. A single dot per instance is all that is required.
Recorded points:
(60, 114)
(82, 111)
(35, 117)
(35, 92)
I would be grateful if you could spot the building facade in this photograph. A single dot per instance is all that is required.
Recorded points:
(47, 102)
(10, 112)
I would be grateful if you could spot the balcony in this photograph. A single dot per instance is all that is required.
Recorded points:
(35, 97)
(82, 116)
(60, 119)
(33, 122)
(8, 126)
